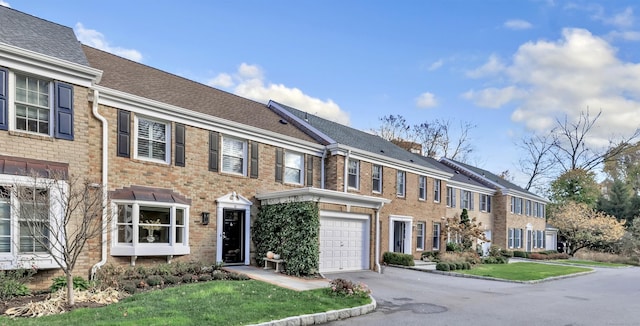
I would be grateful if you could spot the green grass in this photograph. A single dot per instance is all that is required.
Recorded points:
(588, 263)
(523, 271)
(210, 303)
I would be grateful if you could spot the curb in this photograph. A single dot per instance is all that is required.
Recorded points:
(323, 317)
(454, 274)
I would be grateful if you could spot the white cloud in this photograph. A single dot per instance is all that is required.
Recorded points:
(97, 40)
(426, 100)
(436, 65)
(517, 24)
(493, 66)
(624, 35)
(5, 4)
(249, 81)
(553, 79)
(622, 19)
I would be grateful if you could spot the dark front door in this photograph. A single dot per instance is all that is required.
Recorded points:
(399, 233)
(233, 236)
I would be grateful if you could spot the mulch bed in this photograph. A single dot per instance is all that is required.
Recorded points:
(22, 300)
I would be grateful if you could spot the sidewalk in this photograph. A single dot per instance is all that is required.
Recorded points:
(279, 279)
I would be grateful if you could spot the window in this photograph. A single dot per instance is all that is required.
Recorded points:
(32, 104)
(541, 211)
(420, 226)
(518, 238)
(535, 209)
(527, 210)
(151, 229)
(354, 174)
(26, 225)
(234, 156)
(436, 236)
(451, 197)
(540, 239)
(466, 199)
(511, 237)
(293, 167)
(422, 184)
(513, 205)
(518, 205)
(436, 190)
(376, 178)
(485, 203)
(400, 183)
(152, 139)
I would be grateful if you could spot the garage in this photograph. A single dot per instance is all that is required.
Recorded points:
(344, 241)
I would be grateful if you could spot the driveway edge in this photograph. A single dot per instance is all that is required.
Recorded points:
(323, 317)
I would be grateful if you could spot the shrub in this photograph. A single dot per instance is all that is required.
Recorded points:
(154, 280)
(467, 265)
(442, 266)
(395, 258)
(188, 278)
(204, 278)
(130, 287)
(495, 260)
(521, 254)
(237, 276)
(61, 282)
(171, 279)
(12, 284)
(459, 265)
(452, 246)
(344, 287)
(431, 256)
(218, 275)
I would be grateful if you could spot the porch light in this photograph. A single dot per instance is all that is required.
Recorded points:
(205, 218)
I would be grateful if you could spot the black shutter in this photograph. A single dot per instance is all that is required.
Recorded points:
(124, 133)
(279, 159)
(180, 144)
(309, 170)
(4, 110)
(254, 160)
(214, 142)
(63, 111)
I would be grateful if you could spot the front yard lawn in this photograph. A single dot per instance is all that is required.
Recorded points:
(588, 263)
(208, 303)
(522, 271)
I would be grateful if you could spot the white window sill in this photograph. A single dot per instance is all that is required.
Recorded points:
(43, 261)
(150, 250)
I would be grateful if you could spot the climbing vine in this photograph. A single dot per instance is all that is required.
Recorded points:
(291, 230)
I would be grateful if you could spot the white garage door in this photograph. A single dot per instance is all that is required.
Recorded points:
(344, 242)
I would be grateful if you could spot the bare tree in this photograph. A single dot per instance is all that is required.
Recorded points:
(394, 128)
(59, 215)
(570, 144)
(460, 148)
(538, 159)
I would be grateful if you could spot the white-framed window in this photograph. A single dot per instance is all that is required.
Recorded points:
(466, 199)
(400, 183)
(535, 209)
(150, 229)
(541, 211)
(451, 197)
(153, 140)
(512, 208)
(422, 187)
(353, 174)
(518, 205)
(293, 167)
(511, 237)
(527, 209)
(33, 103)
(485, 203)
(25, 225)
(436, 236)
(376, 178)
(518, 238)
(540, 239)
(420, 232)
(234, 155)
(436, 190)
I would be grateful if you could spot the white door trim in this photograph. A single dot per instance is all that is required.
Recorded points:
(408, 236)
(236, 202)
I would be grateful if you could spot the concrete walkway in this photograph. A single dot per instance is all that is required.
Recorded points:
(279, 279)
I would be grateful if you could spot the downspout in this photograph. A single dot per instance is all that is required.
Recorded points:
(324, 155)
(345, 176)
(378, 239)
(105, 175)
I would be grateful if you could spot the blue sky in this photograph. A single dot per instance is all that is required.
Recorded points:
(509, 67)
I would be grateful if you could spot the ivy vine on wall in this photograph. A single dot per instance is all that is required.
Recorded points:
(291, 230)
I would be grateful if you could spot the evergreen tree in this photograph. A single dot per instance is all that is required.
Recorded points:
(619, 202)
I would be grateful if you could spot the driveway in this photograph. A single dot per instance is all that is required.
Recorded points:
(407, 297)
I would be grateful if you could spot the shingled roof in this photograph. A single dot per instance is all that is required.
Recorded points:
(456, 175)
(355, 138)
(151, 83)
(39, 35)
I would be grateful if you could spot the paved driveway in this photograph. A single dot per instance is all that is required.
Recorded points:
(406, 297)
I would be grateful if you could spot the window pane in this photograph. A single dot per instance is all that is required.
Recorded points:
(179, 216)
(154, 224)
(179, 235)
(292, 175)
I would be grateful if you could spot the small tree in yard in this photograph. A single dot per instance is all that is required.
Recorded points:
(59, 215)
(468, 230)
(583, 227)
